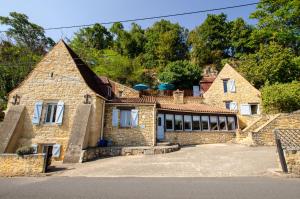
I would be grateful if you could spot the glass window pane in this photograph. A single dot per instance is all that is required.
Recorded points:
(178, 122)
(222, 120)
(204, 123)
(213, 123)
(125, 118)
(48, 115)
(169, 122)
(187, 122)
(231, 123)
(54, 113)
(225, 85)
(196, 123)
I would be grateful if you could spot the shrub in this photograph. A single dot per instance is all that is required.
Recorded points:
(281, 97)
(25, 150)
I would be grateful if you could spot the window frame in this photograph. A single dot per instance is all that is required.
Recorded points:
(225, 85)
(121, 117)
(217, 121)
(182, 122)
(234, 123)
(172, 117)
(225, 120)
(190, 122)
(257, 108)
(199, 122)
(52, 113)
(208, 123)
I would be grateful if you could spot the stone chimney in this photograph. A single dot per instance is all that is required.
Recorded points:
(178, 96)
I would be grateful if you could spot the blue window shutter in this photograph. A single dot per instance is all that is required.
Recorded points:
(231, 84)
(37, 113)
(59, 113)
(134, 117)
(56, 150)
(115, 117)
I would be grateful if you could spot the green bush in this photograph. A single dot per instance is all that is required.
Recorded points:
(25, 150)
(281, 97)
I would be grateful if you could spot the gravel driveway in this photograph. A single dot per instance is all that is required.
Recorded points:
(211, 160)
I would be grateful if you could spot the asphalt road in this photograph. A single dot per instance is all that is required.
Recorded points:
(144, 188)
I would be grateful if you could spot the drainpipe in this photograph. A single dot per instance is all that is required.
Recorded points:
(102, 120)
(155, 125)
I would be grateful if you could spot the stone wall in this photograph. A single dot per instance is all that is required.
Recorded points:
(198, 137)
(265, 135)
(55, 78)
(126, 91)
(293, 161)
(245, 93)
(98, 152)
(28, 165)
(186, 100)
(143, 135)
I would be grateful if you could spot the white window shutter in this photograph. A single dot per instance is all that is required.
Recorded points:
(245, 109)
(59, 113)
(231, 84)
(134, 117)
(35, 148)
(56, 150)
(233, 106)
(37, 113)
(115, 117)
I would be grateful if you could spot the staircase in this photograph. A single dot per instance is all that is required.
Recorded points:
(245, 136)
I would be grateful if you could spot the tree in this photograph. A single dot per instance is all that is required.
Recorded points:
(209, 41)
(278, 21)
(166, 42)
(97, 37)
(281, 97)
(26, 34)
(183, 74)
(271, 64)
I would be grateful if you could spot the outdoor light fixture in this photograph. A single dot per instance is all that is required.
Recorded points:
(87, 99)
(16, 100)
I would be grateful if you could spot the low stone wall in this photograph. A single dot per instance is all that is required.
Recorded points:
(28, 165)
(265, 135)
(293, 161)
(199, 137)
(97, 152)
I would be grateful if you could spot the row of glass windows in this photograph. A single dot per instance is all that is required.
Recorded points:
(197, 123)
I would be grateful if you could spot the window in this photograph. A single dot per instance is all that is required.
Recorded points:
(178, 123)
(109, 91)
(227, 105)
(225, 81)
(196, 123)
(169, 122)
(254, 109)
(51, 113)
(204, 123)
(231, 123)
(159, 121)
(120, 93)
(188, 122)
(222, 121)
(214, 123)
(125, 118)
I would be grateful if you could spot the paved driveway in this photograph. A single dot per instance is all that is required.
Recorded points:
(212, 160)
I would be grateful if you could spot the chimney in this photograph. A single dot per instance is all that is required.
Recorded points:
(178, 96)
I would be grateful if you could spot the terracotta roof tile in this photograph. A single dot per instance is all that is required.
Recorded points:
(139, 100)
(199, 108)
(206, 82)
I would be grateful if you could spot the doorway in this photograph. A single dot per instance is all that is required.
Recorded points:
(160, 133)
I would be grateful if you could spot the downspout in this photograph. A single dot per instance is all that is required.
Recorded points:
(155, 125)
(102, 120)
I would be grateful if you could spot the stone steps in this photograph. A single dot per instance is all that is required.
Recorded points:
(163, 143)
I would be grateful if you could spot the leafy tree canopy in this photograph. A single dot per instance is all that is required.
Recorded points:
(182, 74)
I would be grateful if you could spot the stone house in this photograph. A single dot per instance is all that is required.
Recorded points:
(232, 91)
(65, 107)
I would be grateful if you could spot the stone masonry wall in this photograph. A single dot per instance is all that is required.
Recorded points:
(265, 136)
(198, 137)
(28, 165)
(55, 78)
(293, 161)
(143, 135)
(245, 93)
(126, 91)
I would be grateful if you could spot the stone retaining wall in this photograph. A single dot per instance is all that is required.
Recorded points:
(28, 165)
(94, 153)
(293, 161)
(198, 137)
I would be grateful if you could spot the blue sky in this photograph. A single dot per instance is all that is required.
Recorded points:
(53, 13)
